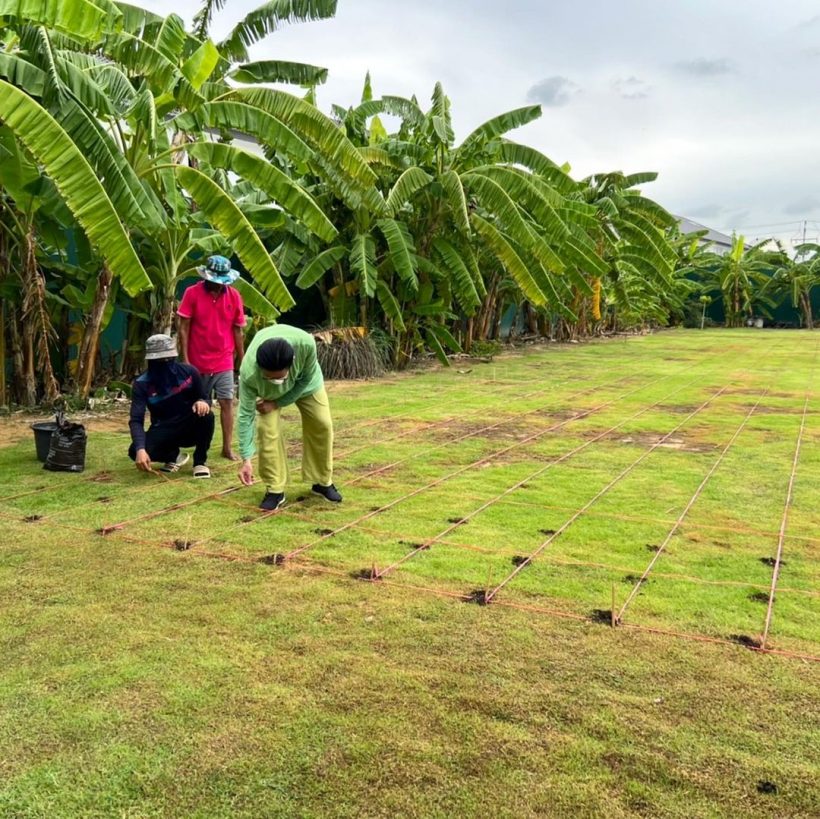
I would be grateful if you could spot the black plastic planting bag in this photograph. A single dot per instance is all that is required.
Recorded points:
(67, 450)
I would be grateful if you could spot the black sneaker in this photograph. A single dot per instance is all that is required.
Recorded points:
(329, 493)
(272, 501)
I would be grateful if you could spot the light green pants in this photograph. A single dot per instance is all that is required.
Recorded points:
(317, 444)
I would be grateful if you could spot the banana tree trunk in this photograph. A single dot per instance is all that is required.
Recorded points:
(17, 362)
(487, 309)
(468, 334)
(499, 315)
(3, 401)
(38, 330)
(164, 317)
(736, 306)
(532, 319)
(807, 311)
(87, 356)
(28, 377)
(136, 333)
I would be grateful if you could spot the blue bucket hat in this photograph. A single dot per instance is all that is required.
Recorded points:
(217, 269)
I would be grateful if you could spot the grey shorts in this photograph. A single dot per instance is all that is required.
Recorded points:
(219, 385)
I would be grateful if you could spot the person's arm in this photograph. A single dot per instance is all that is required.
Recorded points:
(136, 423)
(303, 379)
(201, 405)
(246, 426)
(185, 312)
(183, 333)
(197, 387)
(238, 346)
(246, 419)
(239, 322)
(136, 420)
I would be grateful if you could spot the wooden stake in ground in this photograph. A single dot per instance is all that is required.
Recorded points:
(489, 580)
(614, 622)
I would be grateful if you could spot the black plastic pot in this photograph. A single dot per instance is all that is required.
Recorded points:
(42, 438)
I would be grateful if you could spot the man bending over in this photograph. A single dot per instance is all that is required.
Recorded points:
(279, 369)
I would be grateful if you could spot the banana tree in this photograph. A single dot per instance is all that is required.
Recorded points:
(630, 233)
(796, 279)
(740, 277)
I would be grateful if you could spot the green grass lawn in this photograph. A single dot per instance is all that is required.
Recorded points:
(139, 679)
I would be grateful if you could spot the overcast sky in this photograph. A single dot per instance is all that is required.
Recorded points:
(719, 96)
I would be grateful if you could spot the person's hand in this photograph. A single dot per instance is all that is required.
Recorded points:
(264, 407)
(246, 472)
(202, 408)
(143, 461)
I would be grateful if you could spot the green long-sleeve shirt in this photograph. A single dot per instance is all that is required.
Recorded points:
(304, 378)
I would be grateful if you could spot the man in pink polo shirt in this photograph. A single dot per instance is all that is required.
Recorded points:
(211, 318)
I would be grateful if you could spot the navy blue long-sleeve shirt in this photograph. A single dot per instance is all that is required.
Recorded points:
(168, 403)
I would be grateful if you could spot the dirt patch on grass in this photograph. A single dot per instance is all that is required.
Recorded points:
(603, 616)
(103, 476)
(678, 441)
(678, 409)
(759, 597)
(767, 409)
(632, 579)
(365, 574)
(511, 430)
(771, 561)
(182, 545)
(745, 640)
(757, 392)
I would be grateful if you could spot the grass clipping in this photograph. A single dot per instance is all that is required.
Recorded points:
(347, 353)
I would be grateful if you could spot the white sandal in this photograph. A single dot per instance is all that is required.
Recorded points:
(202, 471)
(174, 466)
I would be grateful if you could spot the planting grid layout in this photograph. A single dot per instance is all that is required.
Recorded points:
(662, 482)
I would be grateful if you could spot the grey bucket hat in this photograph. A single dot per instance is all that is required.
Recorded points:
(160, 346)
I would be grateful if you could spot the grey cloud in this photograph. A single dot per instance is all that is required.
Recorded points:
(739, 217)
(631, 88)
(810, 23)
(802, 206)
(706, 211)
(701, 67)
(552, 91)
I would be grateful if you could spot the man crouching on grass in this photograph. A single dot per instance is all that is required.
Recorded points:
(279, 369)
(180, 414)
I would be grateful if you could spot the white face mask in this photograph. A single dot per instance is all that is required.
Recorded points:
(277, 380)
